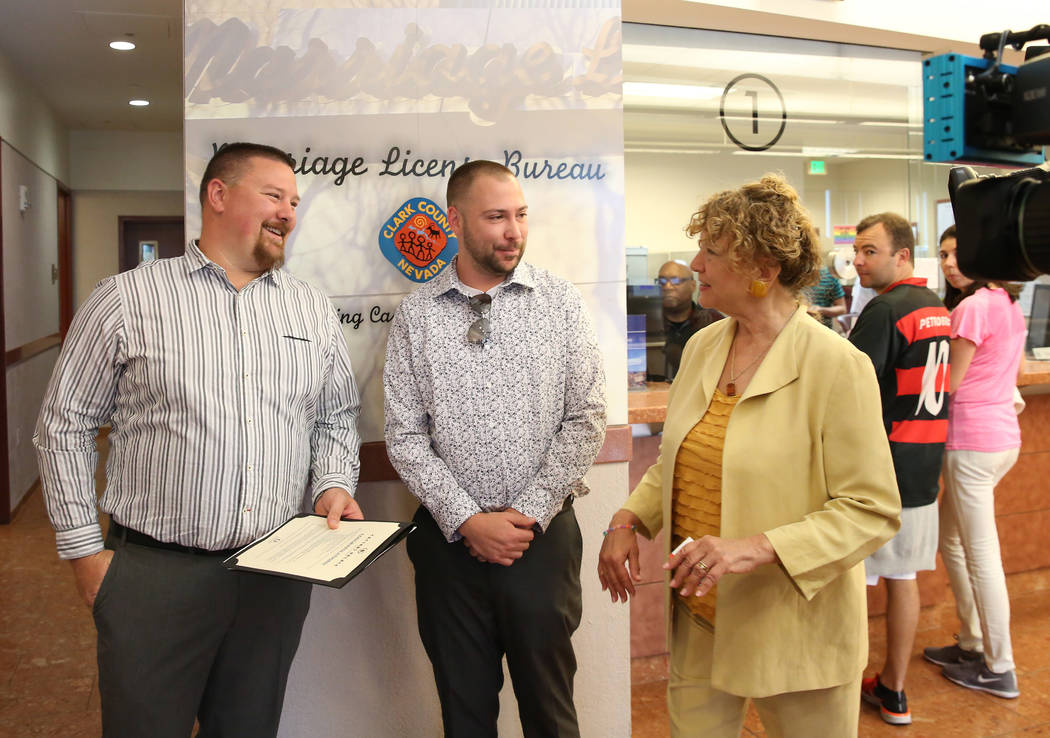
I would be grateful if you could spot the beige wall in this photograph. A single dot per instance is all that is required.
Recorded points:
(30, 304)
(95, 235)
(30, 250)
(26, 384)
(35, 154)
(126, 160)
(115, 173)
(29, 125)
(871, 186)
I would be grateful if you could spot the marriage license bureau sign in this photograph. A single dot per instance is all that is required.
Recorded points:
(377, 106)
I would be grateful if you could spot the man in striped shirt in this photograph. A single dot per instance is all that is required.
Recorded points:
(904, 330)
(229, 392)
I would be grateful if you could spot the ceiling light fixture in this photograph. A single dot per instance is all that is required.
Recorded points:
(121, 45)
(138, 103)
(890, 124)
(819, 152)
(672, 91)
(683, 150)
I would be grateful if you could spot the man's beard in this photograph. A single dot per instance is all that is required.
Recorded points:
(264, 256)
(266, 260)
(498, 266)
(490, 260)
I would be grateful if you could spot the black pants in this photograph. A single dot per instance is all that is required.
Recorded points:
(472, 613)
(180, 636)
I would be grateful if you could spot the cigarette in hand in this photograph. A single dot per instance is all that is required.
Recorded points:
(680, 546)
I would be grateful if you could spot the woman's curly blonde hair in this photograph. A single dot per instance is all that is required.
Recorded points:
(765, 222)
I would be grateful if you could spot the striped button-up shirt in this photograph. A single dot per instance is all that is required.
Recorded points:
(230, 410)
(515, 421)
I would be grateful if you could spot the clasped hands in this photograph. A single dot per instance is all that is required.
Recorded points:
(698, 566)
(499, 537)
(619, 570)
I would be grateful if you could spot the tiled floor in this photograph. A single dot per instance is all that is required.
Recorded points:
(47, 638)
(47, 657)
(939, 708)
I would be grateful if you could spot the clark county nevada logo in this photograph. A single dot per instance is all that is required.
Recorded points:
(418, 240)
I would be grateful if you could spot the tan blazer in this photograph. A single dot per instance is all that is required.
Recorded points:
(806, 462)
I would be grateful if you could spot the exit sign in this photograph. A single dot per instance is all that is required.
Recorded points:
(817, 167)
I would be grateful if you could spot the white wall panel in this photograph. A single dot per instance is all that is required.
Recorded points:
(30, 250)
(26, 383)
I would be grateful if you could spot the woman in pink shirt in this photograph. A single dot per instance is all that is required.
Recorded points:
(988, 334)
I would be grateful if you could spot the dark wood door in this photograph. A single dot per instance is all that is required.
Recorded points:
(143, 237)
(65, 259)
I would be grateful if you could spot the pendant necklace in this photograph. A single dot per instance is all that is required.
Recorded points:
(731, 381)
(735, 375)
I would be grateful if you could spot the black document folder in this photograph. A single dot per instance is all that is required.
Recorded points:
(305, 548)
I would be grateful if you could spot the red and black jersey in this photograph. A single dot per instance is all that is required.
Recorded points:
(906, 332)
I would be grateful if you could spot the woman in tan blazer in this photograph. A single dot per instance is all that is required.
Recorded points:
(774, 461)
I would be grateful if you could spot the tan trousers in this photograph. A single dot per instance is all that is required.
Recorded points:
(697, 710)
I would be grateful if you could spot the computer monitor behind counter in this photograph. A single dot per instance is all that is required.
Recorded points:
(1039, 323)
(646, 300)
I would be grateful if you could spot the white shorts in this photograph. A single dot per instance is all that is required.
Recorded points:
(913, 549)
(872, 581)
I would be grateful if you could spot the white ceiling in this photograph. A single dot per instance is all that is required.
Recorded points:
(61, 48)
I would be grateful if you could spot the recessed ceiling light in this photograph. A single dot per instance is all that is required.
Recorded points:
(138, 103)
(121, 45)
(674, 91)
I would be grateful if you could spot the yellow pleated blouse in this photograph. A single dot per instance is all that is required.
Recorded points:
(696, 490)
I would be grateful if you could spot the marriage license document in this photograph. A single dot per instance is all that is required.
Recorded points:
(306, 548)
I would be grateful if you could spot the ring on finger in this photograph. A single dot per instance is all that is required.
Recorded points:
(704, 568)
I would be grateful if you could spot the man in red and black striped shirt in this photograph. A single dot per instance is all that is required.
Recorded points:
(905, 332)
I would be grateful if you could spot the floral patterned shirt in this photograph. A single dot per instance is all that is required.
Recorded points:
(514, 421)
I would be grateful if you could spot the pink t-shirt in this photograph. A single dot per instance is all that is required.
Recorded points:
(981, 415)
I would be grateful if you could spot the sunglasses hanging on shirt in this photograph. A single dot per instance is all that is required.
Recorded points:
(480, 305)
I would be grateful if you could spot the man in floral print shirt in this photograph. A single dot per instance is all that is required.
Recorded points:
(495, 409)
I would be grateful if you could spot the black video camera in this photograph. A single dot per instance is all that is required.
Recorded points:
(1003, 222)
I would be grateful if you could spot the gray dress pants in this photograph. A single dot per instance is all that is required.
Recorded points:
(180, 637)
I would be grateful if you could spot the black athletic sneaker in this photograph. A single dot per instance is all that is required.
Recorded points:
(953, 654)
(893, 706)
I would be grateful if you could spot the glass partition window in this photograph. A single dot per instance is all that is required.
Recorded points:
(705, 111)
(708, 110)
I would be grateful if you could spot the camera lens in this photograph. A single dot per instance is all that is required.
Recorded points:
(1003, 224)
(1033, 220)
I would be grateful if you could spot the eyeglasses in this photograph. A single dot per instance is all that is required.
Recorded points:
(664, 281)
(479, 330)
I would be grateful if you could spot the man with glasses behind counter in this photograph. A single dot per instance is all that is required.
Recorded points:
(682, 316)
(495, 409)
